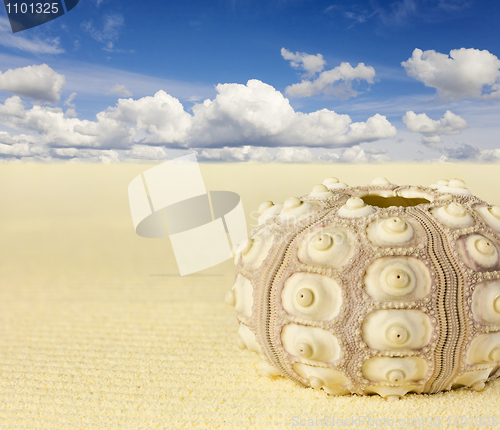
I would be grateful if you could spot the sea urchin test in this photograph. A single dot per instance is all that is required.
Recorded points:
(381, 289)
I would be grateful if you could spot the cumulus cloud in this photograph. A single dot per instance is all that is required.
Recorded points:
(36, 82)
(9, 139)
(20, 145)
(120, 90)
(257, 114)
(162, 117)
(293, 155)
(246, 153)
(356, 154)
(57, 130)
(312, 64)
(20, 150)
(430, 129)
(253, 115)
(23, 43)
(465, 73)
(336, 82)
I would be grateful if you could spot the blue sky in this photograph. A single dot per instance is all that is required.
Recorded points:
(243, 80)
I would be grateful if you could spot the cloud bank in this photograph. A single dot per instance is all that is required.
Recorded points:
(254, 114)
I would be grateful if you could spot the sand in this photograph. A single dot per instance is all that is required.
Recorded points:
(98, 330)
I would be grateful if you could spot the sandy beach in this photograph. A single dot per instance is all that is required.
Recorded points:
(99, 331)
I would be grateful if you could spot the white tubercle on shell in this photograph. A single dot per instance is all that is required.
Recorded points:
(378, 289)
(320, 191)
(390, 232)
(268, 210)
(334, 184)
(397, 278)
(397, 329)
(332, 381)
(310, 344)
(440, 183)
(247, 340)
(478, 252)
(491, 216)
(330, 247)
(455, 186)
(486, 302)
(475, 379)
(241, 296)
(395, 376)
(312, 296)
(294, 210)
(254, 250)
(355, 207)
(453, 215)
(484, 349)
(380, 182)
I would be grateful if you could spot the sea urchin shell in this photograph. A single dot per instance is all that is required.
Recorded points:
(381, 289)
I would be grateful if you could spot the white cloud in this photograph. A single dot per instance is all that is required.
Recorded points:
(356, 154)
(20, 145)
(69, 100)
(240, 115)
(110, 30)
(312, 64)
(9, 139)
(257, 114)
(162, 117)
(88, 155)
(21, 150)
(57, 130)
(293, 155)
(120, 90)
(329, 157)
(147, 152)
(36, 82)
(466, 152)
(23, 43)
(246, 153)
(430, 129)
(465, 73)
(336, 82)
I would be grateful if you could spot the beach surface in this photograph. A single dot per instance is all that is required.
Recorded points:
(99, 330)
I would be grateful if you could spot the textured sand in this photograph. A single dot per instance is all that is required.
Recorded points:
(98, 330)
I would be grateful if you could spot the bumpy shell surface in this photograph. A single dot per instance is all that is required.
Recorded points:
(381, 289)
